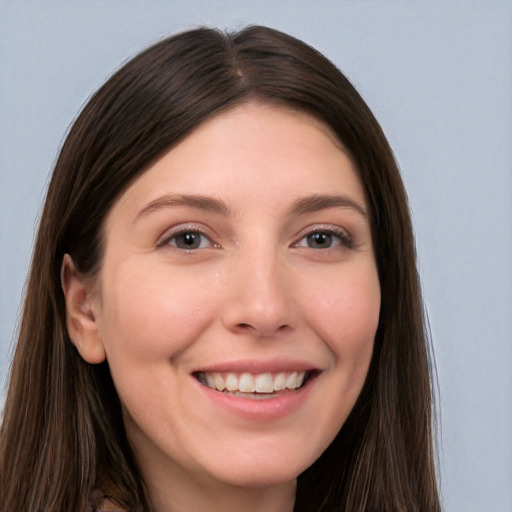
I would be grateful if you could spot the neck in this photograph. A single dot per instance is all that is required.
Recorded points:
(176, 497)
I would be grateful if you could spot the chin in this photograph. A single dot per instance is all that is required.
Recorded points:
(267, 471)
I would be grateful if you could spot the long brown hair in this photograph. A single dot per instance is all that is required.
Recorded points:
(62, 435)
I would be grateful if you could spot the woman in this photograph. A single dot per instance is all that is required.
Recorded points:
(223, 308)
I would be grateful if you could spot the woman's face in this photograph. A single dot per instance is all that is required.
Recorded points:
(238, 300)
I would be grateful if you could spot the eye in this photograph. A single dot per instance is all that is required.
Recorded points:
(188, 240)
(324, 239)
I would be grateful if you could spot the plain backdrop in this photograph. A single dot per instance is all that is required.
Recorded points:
(438, 76)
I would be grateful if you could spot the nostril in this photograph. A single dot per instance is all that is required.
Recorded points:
(260, 329)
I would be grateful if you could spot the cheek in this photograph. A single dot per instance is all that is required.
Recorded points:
(346, 313)
(150, 312)
(346, 316)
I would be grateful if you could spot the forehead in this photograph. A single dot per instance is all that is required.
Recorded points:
(251, 150)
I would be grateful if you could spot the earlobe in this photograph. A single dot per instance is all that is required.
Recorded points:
(81, 319)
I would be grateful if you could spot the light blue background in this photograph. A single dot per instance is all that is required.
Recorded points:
(438, 76)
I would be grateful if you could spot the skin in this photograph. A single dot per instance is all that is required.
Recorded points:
(256, 290)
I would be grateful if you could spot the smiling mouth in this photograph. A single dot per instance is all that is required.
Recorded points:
(260, 385)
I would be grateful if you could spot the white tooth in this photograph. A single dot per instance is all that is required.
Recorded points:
(209, 380)
(280, 381)
(291, 380)
(300, 378)
(220, 385)
(247, 383)
(231, 382)
(264, 383)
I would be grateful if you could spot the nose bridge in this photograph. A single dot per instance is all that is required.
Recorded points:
(259, 298)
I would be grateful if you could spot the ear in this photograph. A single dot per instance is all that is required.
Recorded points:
(81, 320)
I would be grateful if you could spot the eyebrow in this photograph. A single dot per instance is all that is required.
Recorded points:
(317, 202)
(206, 203)
(302, 205)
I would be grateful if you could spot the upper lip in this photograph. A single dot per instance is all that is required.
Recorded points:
(257, 366)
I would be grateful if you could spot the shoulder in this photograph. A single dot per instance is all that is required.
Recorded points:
(108, 506)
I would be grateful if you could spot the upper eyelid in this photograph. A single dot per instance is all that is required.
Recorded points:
(179, 229)
(344, 235)
(331, 228)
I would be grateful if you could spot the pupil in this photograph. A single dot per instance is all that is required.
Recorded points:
(190, 240)
(320, 240)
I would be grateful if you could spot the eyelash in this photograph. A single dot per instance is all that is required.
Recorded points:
(343, 238)
(187, 230)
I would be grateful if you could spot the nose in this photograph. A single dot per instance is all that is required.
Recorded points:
(260, 299)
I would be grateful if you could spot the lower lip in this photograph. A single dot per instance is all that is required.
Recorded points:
(260, 409)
